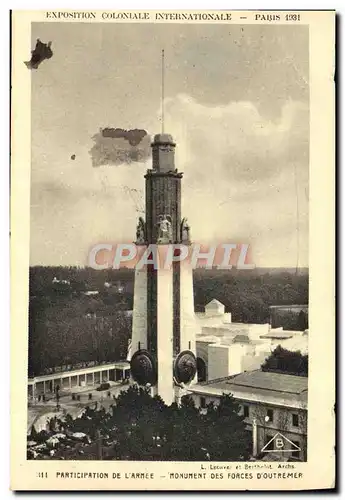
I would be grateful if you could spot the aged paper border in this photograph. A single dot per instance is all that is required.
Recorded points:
(319, 471)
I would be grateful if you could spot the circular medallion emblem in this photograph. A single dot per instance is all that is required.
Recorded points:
(143, 368)
(185, 367)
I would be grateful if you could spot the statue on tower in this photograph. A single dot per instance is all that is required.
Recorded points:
(185, 231)
(141, 236)
(164, 229)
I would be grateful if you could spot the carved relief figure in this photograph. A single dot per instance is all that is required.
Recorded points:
(164, 229)
(185, 230)
(141, 231)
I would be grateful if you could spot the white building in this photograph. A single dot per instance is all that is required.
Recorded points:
(225, 348)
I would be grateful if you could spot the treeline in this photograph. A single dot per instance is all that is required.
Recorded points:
(246, 294)
(65, 333)
(79, 279)
(249, 294)
(67, 327)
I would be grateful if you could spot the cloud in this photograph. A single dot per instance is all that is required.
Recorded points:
(242, 176)
(246, 177)
(235, 140)
(115, 146)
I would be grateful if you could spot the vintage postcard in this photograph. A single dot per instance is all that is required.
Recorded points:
(172, 250)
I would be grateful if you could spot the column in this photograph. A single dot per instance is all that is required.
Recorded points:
(165, 334)
(53, 385)
(108, 375)
(255, 438)
(44, 386)
(93, 378)
(188, 324)
(70, 381)
(139, 326)
(77, 380)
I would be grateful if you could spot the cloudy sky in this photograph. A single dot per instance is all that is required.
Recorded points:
(236, 103)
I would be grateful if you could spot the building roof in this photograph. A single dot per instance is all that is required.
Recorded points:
(285, 306)
(260, 387)
(121, 365)
(282, 334)
(208, 339)
(280, 382)
(214, 302)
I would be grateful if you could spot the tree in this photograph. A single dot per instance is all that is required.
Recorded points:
(142, 427)
(185, 436)
(34, 435)
(226, 437)
(284, 361)
(139, 422)
(302, 321)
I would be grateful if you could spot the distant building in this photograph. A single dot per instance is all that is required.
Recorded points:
(55, 281)
(273, 404)
(214, 308)
(289, 316)
(117, 287)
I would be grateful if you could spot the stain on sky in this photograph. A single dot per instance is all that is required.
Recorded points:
(41, 52)
(115, 146)
(132, 136)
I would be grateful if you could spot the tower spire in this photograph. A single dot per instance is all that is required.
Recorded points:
(163, 62)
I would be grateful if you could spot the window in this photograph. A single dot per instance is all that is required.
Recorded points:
(295, 420)
(245, 411)
(296, 453)
(269, 417)
(202, 402)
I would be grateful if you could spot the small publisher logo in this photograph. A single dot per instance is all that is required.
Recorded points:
(280, 443)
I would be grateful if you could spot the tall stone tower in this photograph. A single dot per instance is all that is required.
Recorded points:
(164, 326)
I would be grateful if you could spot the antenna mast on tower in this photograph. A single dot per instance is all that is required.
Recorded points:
(163, 91)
